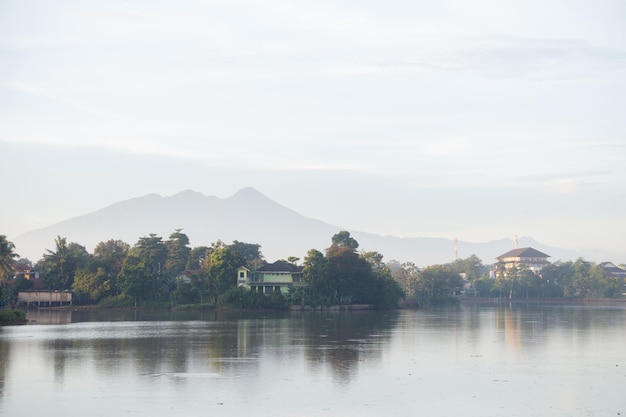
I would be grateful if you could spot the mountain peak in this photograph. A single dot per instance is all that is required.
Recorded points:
(249, 193)
(188, 193)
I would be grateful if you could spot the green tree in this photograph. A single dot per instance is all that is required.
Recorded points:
(314, 273)
(344, 240)
(111, 254)
(7, 258)
(589, 281)
(556, 280)
(438, 283)
(350, 276)
(221, 269)
(471, 267)
(407, 277)
(17, 285)
(141, 276)
(137, 279)
(59, 266)
(178, 252)
(250, 252)
(197, 257)
(91, 286)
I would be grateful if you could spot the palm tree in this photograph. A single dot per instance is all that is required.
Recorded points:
(56, 270)
(7, 258)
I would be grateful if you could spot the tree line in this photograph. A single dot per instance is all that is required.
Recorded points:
(571, 279)
(158, 271)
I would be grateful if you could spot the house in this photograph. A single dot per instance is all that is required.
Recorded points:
(185, 277)
(45, 298)
(24, 271)
(613, 271)
(526, 257)
(275, 277)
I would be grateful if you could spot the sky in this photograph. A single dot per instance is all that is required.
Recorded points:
(472, 120)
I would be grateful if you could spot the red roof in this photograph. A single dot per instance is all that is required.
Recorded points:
(21, 268)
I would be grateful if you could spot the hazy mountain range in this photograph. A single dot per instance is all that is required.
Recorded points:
(249, 216)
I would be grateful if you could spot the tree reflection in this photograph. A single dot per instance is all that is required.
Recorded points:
(5, 359)
(343, 339)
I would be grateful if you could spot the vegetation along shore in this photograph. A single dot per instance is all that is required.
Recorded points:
(170, 274)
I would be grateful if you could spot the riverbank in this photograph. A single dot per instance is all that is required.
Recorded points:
(12, 317)
(486, 300)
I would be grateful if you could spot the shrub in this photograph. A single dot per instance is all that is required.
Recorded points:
(12, 316)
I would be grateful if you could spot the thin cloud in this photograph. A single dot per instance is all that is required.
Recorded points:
(562, 176)
(507, 57)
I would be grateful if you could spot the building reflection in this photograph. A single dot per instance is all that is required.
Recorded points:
(49, 316)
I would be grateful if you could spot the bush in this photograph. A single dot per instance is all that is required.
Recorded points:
(240, 297)
(117, 301)
(12, 316)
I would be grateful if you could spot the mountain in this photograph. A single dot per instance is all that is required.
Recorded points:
(248, 216)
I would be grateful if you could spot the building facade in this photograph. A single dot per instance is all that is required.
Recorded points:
(524, 257)
(270, 278)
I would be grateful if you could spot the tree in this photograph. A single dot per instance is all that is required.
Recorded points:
(178, 252)
(250, 252)
(472, 267)
(141, 276)
(438, 283)
(407, 277)
(221, 269)
(384, 292)
(350, 276)
(110, 255)
(136, 278)
(7, 258)
(92, 286)
(59, 266)
(314, 272)
(344, 240)
(196, 257)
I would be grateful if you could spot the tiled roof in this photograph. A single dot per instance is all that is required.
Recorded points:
(280, 266)
(523, 253)
(21, 268)
(612, 269)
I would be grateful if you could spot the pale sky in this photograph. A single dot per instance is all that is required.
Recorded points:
(478, 120)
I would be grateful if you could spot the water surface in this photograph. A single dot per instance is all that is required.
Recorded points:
(470, 360)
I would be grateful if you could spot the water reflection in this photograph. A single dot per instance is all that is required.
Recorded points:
(49, 316)
(471, 359)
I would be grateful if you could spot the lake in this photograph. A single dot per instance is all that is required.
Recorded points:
(468, 360)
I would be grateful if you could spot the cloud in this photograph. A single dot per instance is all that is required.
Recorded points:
(510, 57)
(562, 176)
(564, 182)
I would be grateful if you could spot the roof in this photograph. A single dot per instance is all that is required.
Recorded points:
(523, 253)
(21, 268)
(611, 268)
(280, 266)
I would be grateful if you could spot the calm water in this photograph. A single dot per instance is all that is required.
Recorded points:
(471, 360)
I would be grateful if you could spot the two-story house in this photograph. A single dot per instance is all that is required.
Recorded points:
(275, 277)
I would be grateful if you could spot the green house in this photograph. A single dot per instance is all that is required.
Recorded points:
(275, 277)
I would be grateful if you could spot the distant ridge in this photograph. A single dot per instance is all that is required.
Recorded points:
(248, 216)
